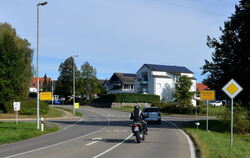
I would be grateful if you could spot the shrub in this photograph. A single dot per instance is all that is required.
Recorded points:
(171, 107)
(241, 118)
(28, 107)
(128, 98)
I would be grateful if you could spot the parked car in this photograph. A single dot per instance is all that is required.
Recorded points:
(153, 114)
(216, 103)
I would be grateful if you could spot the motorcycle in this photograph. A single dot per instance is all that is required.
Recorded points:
(138, 131)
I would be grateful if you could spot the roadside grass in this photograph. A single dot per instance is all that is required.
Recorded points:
(216, 143)
(12, 132)
(53, 112)
(71, 111)
(124, 108)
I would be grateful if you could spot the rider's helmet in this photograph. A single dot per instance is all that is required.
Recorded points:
(136, 107)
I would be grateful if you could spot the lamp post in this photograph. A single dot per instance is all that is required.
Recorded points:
(74, 84)
(37, 68)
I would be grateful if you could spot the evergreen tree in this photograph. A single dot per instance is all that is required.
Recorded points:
(15, 65)
(231, 56)
(64, 85)
(45, 84)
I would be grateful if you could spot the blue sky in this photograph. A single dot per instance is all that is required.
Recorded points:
(119, 35)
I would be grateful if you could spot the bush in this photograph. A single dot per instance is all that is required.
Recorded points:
(128, 98)
(28, 107)
(241, 118)
(171, 107)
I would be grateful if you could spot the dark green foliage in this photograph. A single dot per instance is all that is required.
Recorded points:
(174, 108)
(231, 56)
(15, 65)
(129, 98)
(28, 107)
(46, 86)
(183, 95)
(241, 118)
(88, 84)
(64, 85)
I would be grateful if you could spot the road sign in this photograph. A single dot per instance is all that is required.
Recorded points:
(207, 95)
(232, 88)
(76, 105)
(45, 95)
(16, 106)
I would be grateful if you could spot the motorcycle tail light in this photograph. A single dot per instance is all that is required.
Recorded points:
(135, 125)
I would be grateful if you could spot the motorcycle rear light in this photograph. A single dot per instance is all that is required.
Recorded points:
(135, 125)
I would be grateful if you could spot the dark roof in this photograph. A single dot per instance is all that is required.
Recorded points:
(125, 78)
(168, 68)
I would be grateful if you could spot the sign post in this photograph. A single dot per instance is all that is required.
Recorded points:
(207, 95)
(16, 106)
(232, 89)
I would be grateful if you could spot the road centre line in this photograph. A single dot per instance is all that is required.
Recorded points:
(49, 146)
(113, 147)
(95, 141)
(74, 123)
(191, 145)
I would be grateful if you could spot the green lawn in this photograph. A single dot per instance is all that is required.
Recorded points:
(10, 132)
(124, 108)
(216, 143)
(71, 111)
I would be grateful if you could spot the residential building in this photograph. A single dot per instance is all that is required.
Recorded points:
(121, 83)
(33, 83)
(161, 79)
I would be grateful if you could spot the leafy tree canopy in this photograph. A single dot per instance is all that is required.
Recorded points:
(15, 65)
(231, 56)
(182, 89)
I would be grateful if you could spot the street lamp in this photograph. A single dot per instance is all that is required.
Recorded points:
(37, 68)
(74, 84)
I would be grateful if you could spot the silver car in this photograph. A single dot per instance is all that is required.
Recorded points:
(153, 114)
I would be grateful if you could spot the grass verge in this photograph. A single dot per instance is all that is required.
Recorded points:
(53, 112)
(216, 143)
(124, 108)
(71, 111)
(12, 132)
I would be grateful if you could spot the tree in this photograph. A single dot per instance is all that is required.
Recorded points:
(231, 56)
(46, 86)
(64, 85)
(88, 83)
(15, 65)
(183, 95)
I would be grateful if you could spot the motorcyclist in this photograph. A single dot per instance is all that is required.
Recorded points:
(138, 116)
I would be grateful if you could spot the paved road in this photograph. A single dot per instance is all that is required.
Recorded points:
(102, 133)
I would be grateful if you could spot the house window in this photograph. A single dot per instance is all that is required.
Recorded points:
(158, 86)
(126, 86)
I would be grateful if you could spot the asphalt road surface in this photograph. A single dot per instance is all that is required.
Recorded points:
(103, 133)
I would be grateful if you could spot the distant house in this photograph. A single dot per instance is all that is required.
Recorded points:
(201, 87)
(161, 79)
(33, 83)
(121, 83)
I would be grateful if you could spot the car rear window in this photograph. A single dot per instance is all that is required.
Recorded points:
(151, 110)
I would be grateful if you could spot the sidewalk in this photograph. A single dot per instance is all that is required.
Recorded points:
(11, 117)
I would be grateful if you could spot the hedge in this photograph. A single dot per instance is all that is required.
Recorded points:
(28, 107)
(128, 98)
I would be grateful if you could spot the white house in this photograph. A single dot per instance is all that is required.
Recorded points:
(161, 80)
(121, 83)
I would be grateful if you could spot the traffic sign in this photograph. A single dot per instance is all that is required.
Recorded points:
(45, 95)
(76, 105)
(16, 106)
(207, 95)
(232, 88)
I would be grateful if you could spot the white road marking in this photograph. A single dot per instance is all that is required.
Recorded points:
(95, 141)
(49, 146)
(73, 124)
(191, 145)
(113, 147)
